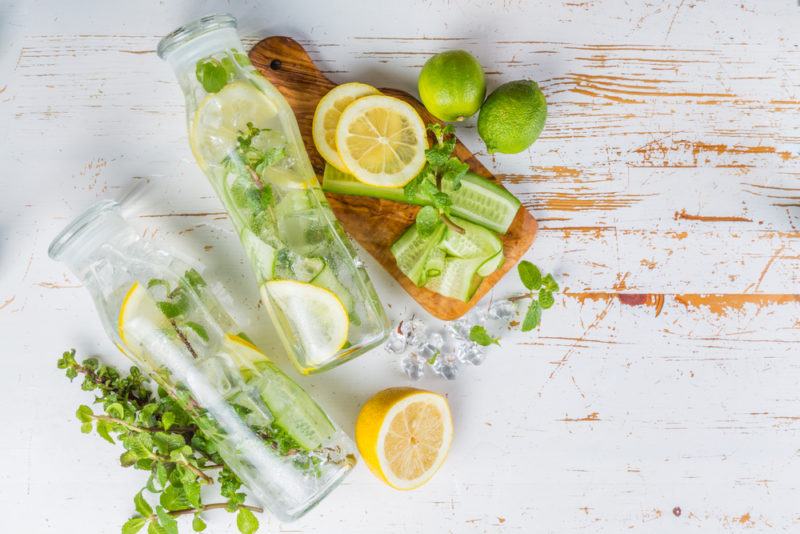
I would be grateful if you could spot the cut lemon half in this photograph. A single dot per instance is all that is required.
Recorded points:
(315, 314)
(404, 434)
(222, 116)
(326, 117)
(381, 140)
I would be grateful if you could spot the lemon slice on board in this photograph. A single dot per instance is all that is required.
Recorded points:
(326, 117)
(221, 117)
(404, 434)
(381, 140)
(318, 317)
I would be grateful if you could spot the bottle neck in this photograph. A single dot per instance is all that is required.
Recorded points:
(95, 233)
(205, 37)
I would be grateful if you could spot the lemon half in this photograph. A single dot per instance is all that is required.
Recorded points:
(326, 118)
(404, 434)
(381, 140)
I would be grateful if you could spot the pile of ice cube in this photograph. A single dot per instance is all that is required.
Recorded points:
(444, 350)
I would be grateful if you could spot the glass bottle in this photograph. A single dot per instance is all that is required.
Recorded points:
(245, 138)
(161, 313)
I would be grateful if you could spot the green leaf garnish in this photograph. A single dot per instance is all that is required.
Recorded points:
(427, 220)
(479, 335)
(246, 521)
(530, 275)
(141, 505)
(198, 525)
(197, 329)
(546, 299)
(211, 74)
(549, 283)
(533, 317)
(133, 525)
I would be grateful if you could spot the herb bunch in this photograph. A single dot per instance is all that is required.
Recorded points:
(159, 436)
(442, 172)
(540, 292)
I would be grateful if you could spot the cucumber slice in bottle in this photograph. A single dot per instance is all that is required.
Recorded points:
(327, 279)
(475, 242)
(294, 411)
(484, 203)
(292, 266)
(458, 280)
(411, 252)
(261, 254)
(492, 264)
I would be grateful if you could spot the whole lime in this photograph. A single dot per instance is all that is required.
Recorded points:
(512, 117)
(452, 85)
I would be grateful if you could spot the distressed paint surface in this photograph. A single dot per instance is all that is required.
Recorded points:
(661, 393)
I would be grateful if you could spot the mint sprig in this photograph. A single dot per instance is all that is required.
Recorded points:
(541, 292)
(481, 336)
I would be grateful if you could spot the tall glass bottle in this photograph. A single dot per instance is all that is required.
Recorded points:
(163, 316)
(245, 138)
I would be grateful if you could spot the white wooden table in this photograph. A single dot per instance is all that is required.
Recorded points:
(661, 392)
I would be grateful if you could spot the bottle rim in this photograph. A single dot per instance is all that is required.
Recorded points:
(192, 30)
(78, 225)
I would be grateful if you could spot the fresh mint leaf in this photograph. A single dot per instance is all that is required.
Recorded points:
(142, 506)
(153, 282)
(427, 220)
(103, 430)
(442, 200)
(197, 329)
(177, 305)
(84, 414)
(86, 428)
(194, 279)
(550, 283)
(155, 528)
(115, 409)
(479, 335)
(546, 299)
(532, 317)
(168, 522)
(246, 521)
(453, 171)
(198, 525)
(530, 275)
(174, 498)
(133, 525)
(211, 74)
(167, 420)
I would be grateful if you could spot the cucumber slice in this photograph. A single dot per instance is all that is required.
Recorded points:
(292, 266)
(411, 252)
(475, 242)
(327, 279)
(435, 264)
(258, 416)
(492, 264)
(458, 279)
(484, 202)
(261, 255)
(294, 411)
(478, 199)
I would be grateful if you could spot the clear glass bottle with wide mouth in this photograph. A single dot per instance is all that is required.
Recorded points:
(245, 138)
(162, 314)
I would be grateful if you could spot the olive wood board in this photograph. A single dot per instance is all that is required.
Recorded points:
(377, 223)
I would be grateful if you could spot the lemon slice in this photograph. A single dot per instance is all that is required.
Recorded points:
(326, 117)
(221, 117)
(138, 308)
(404, 434)
(316, 315)
(381, 140)
(242, 352)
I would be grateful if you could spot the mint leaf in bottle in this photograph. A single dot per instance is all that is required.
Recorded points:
(211, 74)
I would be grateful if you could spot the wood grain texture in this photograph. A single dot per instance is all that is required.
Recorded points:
(377, 223)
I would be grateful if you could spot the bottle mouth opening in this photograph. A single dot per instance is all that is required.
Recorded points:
(192, 30)
(82, 222)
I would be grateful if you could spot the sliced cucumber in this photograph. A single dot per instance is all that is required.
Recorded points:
(475, 242)
(492, 264)
(293, 266)
(293, 409)
(435, 263)
(257, 415)
(458, 279)
(411, 252)
(261, 255)
(327, 279)
(484, 202)
(478, 199)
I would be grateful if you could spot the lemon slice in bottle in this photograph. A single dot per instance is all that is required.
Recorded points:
(381, 140)
(326, 117)
(221, 117)
(138, 309)
(320, 318)
(404, 434)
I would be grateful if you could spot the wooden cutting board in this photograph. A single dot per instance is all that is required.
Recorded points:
(376, 223)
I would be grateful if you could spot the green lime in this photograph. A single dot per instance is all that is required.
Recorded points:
(512, 117)
(452, 85)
